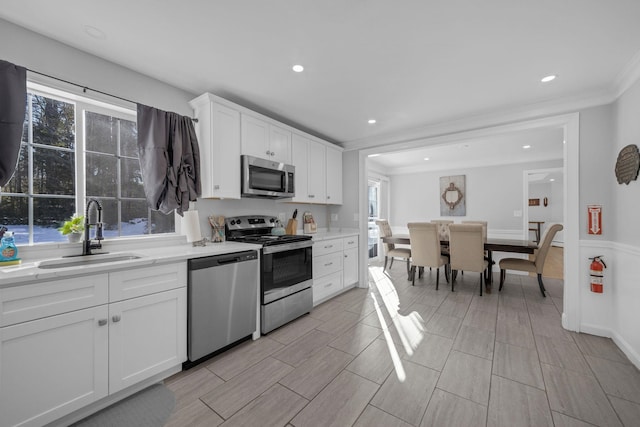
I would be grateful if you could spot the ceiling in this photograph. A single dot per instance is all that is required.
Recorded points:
(508, 148)
(408, 64)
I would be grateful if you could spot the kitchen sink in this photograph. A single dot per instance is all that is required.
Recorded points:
(79, 261)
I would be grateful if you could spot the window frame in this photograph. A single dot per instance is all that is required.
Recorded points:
(82, 104)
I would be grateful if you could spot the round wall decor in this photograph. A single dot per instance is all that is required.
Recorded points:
(628, 164)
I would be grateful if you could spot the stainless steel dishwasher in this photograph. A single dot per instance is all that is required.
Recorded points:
(222, 302)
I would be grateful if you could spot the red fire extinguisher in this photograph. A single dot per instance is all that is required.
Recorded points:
(597, 272)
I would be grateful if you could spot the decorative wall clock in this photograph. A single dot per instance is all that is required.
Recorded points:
(628, 164)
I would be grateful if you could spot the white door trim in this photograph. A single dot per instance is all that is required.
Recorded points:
(570, 125)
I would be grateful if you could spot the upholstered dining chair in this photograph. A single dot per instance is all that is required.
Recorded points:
(443, 227)
(484, 225)
(443, 233)
(390, 250)
(484, 236)
(532, 266)
(425, 250)
(466, 250)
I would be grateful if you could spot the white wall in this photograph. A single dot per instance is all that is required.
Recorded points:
(492, 194)
(28, 49)
(624, 268)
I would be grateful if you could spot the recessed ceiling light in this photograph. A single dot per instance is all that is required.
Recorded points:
(564, 141)
(94, 32)
(552, 180)
(371, 121)
(374, 155)
(426, 158)
(548, 78)
(526, 147)
(298, 68)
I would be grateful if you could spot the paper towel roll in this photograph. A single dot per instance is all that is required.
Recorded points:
(191, 226)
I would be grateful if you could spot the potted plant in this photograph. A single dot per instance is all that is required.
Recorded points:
(73, 228)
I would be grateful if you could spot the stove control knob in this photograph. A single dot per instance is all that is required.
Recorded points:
(238, 221)
(272, 220)
(233, 222)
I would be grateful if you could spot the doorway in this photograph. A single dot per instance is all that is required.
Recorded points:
(544, 201)
(373, 215)
(544, 204)
(569, 123)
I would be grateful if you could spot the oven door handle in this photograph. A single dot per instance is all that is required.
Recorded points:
(287, 247)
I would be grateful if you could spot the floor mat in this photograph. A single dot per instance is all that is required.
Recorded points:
(150, 407)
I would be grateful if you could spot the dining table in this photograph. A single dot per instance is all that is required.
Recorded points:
(491, 245)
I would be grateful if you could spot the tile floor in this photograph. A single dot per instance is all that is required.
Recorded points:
(397, 355)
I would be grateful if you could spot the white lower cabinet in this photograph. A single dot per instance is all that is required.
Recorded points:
(147, 336)
(73, 356)
(53, 366)
(335, 266)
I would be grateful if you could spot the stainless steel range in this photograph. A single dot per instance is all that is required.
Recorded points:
(285, 269)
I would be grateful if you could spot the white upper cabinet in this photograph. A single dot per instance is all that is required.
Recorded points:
(218, 131)
(280, 144)
(334, 176)
(309, 159)
(265, 140)
(227, 130)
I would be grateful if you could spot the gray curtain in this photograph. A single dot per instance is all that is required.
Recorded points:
(169, 159)
(13, 101)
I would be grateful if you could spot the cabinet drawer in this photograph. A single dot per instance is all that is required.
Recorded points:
(350, 242)
(145, 281)
(327, 264)
(327, 246)
(326, 286)
(29, 302)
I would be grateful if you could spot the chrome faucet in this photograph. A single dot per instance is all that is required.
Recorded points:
(87, 245)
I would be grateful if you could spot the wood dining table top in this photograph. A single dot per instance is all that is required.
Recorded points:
(492, 244)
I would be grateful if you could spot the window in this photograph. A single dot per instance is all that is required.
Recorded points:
(71, 151)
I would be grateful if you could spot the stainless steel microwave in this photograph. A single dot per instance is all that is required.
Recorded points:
(266, 178)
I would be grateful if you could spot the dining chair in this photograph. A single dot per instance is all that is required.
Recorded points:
(484, 237)
(390, 250)
(443, 228)
(484, 227)
(466, 250)
(535, 265)
(443, 233)
(425, 250)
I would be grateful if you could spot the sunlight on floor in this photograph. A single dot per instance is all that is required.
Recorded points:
(410, 328)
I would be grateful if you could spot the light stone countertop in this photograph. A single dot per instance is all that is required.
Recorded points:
(326, 235)
(156, 251)
(160, 253)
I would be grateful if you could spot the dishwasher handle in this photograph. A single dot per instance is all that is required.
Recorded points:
(219, 260)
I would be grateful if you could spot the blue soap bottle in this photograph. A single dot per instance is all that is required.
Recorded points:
(8, 249)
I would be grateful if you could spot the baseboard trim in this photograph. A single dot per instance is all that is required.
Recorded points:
(633, 356)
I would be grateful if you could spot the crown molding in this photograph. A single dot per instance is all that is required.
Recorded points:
(629, 75)
(416, 136)
(409, 170)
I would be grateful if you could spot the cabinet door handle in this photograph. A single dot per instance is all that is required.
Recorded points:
(268, 153)
(328, 285)
(311, 196)
(116, 318)
(345, 255)
(328, 264)
(216, 187)
(328, 197)
(102, 322)
(328, 246)
(273, 153)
